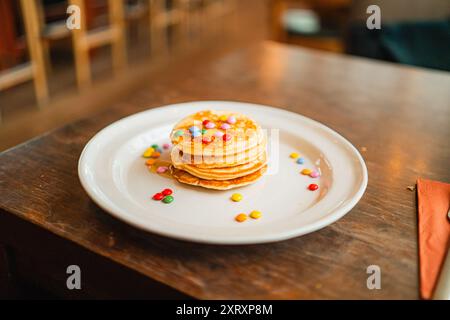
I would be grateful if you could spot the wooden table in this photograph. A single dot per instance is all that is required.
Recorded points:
(397, 116)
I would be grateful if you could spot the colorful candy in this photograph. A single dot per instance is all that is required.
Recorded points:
(208, 139)
(148, 152)
(225, 126)
(179, 133)
(255, 214)
(236, 197)
(223, 118)
(155, 146)
(301, 160)
(150, 162)
(294, 155)
(313, 187)
(194, 129)
(205, 122)
(165, 195)
(314, 174)
(231, 120)
(162, 169)
(306, 172)
(196, 134)
(156, 154)
(226, 137)
(210, 125)
(158, 196)
(241, 217)
(168, 199)
(204, 131)
(219, 134)
(166, 146)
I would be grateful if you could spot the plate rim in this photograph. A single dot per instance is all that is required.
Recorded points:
(331, 217)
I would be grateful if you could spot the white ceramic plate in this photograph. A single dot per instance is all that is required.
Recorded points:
(113, 173)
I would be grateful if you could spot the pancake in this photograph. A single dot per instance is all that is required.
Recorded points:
(224, 173)
(179, 157)
(187, 178)
(218, 150)
(245, 134)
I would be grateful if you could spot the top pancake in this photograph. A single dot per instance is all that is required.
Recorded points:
(245, 134)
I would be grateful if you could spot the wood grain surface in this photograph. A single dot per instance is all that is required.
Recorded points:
(397, 116)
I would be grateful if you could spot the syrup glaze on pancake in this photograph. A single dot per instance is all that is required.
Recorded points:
(179, 157)
(224, 173)
(187, 178)
(245, 134)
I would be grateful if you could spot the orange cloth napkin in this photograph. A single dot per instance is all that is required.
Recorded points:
(434, 231)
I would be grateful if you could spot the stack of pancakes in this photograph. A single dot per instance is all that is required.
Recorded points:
(218, 150)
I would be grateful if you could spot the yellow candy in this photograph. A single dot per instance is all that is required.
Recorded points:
(306, 171)
(236, 197)
(294, 155)
(148, 153)
(223, 118)
(241, 217)
(255, 214)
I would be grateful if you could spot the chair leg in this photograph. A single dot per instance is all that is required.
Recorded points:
(117, 22)
(32, 30)
(158, 33)
(81, 49)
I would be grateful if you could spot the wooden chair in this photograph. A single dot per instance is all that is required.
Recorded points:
(165, 15)
(36, 69)
(85, 40)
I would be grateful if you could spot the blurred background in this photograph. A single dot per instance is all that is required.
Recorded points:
(50, 75)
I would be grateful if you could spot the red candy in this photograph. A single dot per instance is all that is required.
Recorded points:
(313, 187)
(167, 192)
(205, 122)
(226, 137)
(207, 139)
(158, 196)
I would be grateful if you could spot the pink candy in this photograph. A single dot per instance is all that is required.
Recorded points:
(231, 120)
(219, 134)
(225, 126)
(162, 169)
(166, 146)
(314, 174)
(210, 125)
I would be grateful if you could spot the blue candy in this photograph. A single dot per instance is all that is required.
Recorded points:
(300, 161)
(196, 134)
(194, 129)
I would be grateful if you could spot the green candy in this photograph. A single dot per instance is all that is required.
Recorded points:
(155, 146)
(204, 131)
(167, 199)
(179, 133)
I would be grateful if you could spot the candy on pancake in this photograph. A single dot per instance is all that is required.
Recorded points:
(243, 133)
(187, 178)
